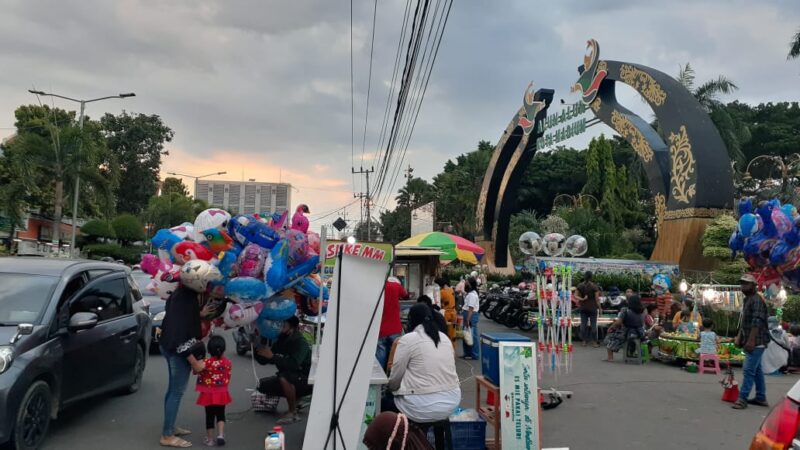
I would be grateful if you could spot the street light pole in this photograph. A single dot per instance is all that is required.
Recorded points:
(80, 147)
(196, 178)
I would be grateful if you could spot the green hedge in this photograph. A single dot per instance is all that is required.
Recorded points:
(131, 255)
(791, 309)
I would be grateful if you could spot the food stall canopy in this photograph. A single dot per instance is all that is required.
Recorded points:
(612, 265)
(417, 251)
(453, 247)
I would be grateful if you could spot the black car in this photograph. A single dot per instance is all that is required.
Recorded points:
(152, 304)
(69, 329)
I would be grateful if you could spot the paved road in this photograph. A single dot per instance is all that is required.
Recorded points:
(614, 407)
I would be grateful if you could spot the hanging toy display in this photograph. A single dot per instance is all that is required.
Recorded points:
(553, 293)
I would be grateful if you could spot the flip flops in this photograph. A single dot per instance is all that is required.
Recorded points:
(739, 404)
(288, 419)
(175, 442)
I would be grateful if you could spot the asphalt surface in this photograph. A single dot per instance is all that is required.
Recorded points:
(614, 406)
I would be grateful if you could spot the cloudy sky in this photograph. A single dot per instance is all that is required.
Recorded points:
(261, 88)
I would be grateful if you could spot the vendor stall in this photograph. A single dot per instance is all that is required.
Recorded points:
(415, 265)
(681, 346)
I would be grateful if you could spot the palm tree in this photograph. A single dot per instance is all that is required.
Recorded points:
(794, 46)
(708, 92)
(733, 134)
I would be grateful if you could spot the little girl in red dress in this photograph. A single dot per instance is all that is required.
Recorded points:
(212, 384)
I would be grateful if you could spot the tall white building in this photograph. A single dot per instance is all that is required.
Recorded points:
(244, 197)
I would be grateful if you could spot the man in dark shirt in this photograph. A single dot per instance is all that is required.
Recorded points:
(753, 337)
(588, 296)
(291, 354)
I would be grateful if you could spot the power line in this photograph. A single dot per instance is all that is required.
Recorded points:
(352, 101)
(369, 81)
(417, 30)
(440, 34)
(382, 135)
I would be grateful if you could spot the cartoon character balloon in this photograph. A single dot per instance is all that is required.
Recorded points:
(246, 289)
(251, 261)
(530, 243)
(183, 231)
(298, 246)
(278, 308)
(210, 218)
(577, 245)
(188, 250)
(196, 274)
(236, 316)
(217, 240)
(661, 283)
(554, 244)
(299, 221)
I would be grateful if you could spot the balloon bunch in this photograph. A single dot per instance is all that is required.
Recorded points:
(552, 244)
(769, 236)
(258, 268)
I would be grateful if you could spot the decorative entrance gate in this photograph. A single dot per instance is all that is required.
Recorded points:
(688, 169)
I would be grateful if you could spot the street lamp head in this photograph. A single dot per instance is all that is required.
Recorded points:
(33, 91)
(129, 94)
(221, 173)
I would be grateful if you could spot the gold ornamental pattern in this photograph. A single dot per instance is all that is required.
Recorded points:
(680, 151)
(629, 131)
(661, 208)
(696, 213)
(643, 83)
(595, 105)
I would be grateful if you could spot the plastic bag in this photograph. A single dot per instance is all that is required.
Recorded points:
(468, 335)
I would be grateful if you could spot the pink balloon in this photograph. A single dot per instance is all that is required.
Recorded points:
(313, 241)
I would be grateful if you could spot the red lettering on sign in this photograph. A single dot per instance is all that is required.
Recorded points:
(379, 254)
(368, 252)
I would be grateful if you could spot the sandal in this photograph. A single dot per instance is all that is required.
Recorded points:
(175, 442)
(288, 419)
(209, 441)
(182, 431)
(739, 404)
(758, 402)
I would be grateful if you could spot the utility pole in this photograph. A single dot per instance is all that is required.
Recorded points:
(409, 173)
(365, 199)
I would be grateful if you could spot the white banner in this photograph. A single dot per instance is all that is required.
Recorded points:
(422, 219)
(360, 282)
(519, 396)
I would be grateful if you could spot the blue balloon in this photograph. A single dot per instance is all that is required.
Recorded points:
(269, 329)
(309, 287)
(260, 234)
(228, 260)
(246, 289)
(749, 225)
(745, 206)
(736, 243)
(789, 211)
(165, 239)
(278, 308)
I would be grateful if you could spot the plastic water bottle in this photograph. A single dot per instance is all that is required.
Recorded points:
(279, 431)
(273, 442)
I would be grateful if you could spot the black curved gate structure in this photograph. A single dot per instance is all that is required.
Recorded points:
(686, 162)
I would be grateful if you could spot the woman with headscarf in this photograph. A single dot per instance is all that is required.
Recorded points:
(423, 377)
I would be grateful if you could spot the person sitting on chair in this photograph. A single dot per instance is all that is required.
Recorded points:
(291, 354)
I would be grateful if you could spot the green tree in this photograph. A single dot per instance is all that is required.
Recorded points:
(715, 245)
(96, 229)
(561, 171)
(166, 211)
(523, 221)
(396, 225)
(415, 193)
(361, 234)
(708, 95)
(171, 185)
(51, 144)
(458, 187)
(794, 46)
(136, 144)
(16, 188)
(128, 229)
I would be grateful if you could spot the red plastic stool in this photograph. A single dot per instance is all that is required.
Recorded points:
(711, 358)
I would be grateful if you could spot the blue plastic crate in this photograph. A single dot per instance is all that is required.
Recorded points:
(466, 435)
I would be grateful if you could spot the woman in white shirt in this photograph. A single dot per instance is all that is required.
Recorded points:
(423, 377)
(472, 304)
